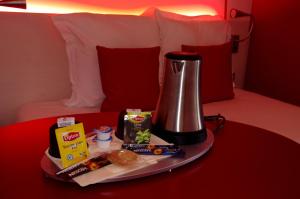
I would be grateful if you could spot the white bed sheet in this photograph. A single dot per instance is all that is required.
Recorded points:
(260, 111)
(37, 110)
(247, 107)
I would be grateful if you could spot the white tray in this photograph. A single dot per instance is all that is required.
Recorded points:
(192, 152)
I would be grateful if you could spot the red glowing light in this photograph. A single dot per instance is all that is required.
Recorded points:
(135, 7)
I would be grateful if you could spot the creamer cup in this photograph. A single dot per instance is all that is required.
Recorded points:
(104, 144)
(103, 132)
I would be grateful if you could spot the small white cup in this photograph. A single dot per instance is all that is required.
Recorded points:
(103, 133)
(104, 144)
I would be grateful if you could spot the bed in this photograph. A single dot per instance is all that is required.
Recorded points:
(246, 107)
(57, 72)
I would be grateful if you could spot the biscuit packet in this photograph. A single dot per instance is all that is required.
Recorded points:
(84, 167)
(153, 149)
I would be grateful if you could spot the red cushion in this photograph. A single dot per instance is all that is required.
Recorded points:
(216, 72)
(129, 77)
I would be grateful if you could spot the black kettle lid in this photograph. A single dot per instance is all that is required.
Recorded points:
(180, 55)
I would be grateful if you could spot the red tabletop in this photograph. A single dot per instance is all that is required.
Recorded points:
(244, 162)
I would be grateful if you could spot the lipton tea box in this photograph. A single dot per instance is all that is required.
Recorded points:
(72, 144)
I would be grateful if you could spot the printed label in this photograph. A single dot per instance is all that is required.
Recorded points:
(72, 144)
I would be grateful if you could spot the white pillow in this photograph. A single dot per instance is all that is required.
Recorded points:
(83, 31)
(176, 30)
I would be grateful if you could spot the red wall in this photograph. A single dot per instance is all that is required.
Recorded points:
(274, 57)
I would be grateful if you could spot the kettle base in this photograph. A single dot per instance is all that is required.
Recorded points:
(182, 138)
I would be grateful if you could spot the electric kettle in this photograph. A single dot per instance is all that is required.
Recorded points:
(179, 115)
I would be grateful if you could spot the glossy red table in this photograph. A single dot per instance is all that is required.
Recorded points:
(244, 162)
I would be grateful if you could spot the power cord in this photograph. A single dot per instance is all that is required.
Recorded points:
(219, 119)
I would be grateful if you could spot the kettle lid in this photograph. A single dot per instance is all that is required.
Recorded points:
(178, 55)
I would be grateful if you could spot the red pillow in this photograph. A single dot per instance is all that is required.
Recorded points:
(129, 77)
(216, 72)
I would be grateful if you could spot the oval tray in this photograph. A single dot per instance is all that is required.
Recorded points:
(192, 152)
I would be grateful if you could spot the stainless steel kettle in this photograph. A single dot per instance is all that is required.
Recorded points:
(179, 116)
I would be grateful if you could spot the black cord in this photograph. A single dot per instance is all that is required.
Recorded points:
(220, 119)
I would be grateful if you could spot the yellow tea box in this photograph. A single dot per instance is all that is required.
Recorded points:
(72, 144)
